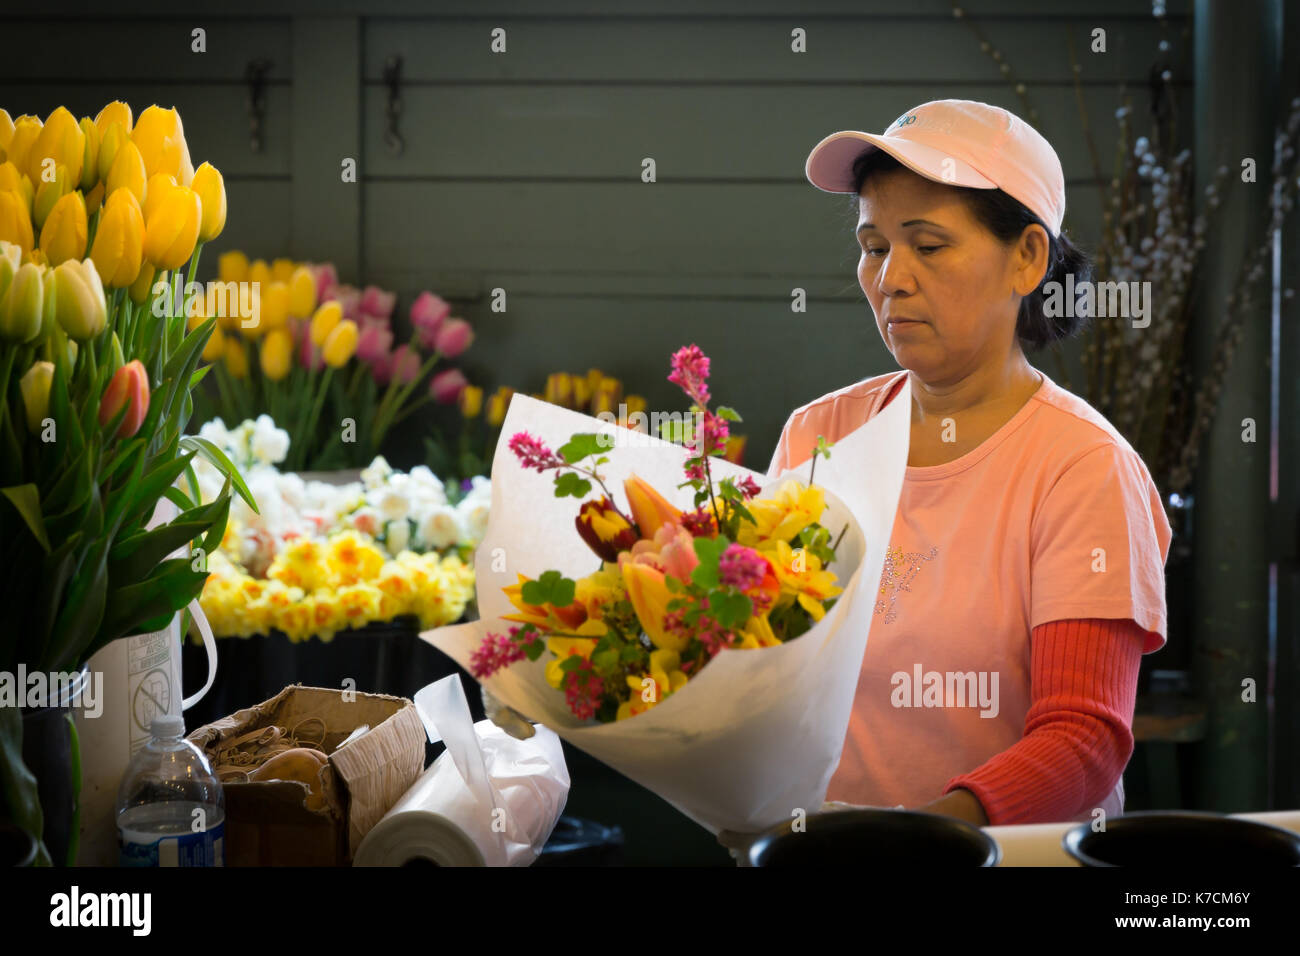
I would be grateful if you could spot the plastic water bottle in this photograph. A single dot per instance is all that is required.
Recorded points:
(171, 810)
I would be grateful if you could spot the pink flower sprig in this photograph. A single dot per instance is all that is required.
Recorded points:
(741, 568)
(534, 454)
(690, 373)
(496, 651)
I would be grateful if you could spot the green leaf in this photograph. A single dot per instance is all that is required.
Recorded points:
(730, 608)
(580, 446)
(730, 414)
(21, 801)
(708, 550)
(27, 500)
(551, 588)
(672, 430)
(153, 485)
(571, 484)
(217, 457)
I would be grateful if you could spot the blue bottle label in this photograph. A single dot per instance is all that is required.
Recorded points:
(206, 848)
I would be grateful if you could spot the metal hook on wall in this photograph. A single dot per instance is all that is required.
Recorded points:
(255, 76)
(393, 79)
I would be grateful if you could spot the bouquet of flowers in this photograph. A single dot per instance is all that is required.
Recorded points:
(727, 560)
(674, 588)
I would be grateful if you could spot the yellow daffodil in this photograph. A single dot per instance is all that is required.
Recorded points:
(667, 677)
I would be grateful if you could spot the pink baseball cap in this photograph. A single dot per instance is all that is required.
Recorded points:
(958, 142)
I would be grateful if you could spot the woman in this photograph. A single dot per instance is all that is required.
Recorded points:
(1030, 541)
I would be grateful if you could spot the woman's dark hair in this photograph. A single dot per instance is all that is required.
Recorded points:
(1006, 218)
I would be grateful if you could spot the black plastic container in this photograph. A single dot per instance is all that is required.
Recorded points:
(48, 754)
(1160, 838)
(898, 838)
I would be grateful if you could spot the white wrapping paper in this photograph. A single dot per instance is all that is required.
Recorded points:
(758, 733)
(488, 800)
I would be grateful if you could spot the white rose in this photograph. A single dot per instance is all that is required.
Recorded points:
(377, 473)
(268, 444)
(474, 513)
(399, 536)
(441, 527)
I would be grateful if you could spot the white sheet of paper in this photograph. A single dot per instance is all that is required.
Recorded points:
(757, 734)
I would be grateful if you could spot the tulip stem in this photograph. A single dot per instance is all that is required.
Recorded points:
(320, 401)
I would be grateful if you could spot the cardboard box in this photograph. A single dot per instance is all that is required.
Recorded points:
(267, 822)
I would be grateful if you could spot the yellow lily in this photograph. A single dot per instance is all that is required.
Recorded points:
(665, 671)
(789, 511)
(805, 581)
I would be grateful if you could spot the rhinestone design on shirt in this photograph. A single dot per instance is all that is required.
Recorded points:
(900, 570)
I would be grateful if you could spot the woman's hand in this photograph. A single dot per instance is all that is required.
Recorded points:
(961, 804)
(508, 719)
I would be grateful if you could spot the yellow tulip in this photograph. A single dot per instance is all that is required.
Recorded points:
(63, 236)
(650, 596)
(128, 170)
(559, 389)
(21, 303)
(275, 306)
(48, 193)
(282, 270)
(471, 401)
(94, 199)
(35, 389)
(172, 231)
(118, 249)
(232, 266)
(79, 305)
(110, 141)
(212, 191)
(302, 292)
(15, 223)
(12, 179)
(236, 357)
(340, 344)
(277, 354)
(155, 191)
(115, 112)
(635, 403)
(90, 155)
(323, 322)
(215, 347)
(496, 410)
(26, 131)
(143, 284)
(60, 143)
(160, 137)
(259, 273)
(6, 130)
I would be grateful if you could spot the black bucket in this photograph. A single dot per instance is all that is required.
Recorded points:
(17, 846)
(877, 837)
(1160, 838)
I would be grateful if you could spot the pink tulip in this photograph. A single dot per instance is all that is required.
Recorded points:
(382, 368)
(405, 364)
(454, 337)
(375, 301)
(428, 312)
(446, 386)
(376, 339)
(349, 300)
(308, 355)
(327, 281)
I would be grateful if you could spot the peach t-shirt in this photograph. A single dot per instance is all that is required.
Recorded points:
(1052, 517)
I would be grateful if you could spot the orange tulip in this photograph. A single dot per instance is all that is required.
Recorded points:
(129, 384)
(649, 509)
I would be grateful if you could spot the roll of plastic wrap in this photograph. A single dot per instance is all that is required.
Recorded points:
(489, 800)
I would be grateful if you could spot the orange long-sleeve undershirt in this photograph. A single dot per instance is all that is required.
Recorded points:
(1078, 733)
